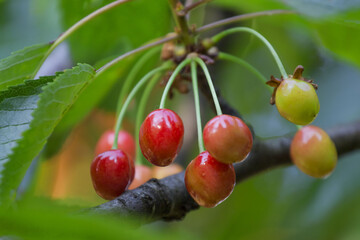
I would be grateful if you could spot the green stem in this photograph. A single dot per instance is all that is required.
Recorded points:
(221, 35)
(76, 26)
(197, 105)
(245, 64)
(132, 76)
(141, 112)
(129, 98)
(171, 80)
(211, 85)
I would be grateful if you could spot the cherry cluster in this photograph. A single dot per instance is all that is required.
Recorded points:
(114, 171)
(312, 150)
(210, 177)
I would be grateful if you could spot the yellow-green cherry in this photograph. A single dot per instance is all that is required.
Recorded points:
(313, 152)
(295, 98)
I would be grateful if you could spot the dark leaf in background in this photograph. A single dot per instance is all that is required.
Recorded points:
(122, 28)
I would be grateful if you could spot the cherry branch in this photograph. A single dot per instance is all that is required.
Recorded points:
(192, 6)
(168, 199)
(241, 17)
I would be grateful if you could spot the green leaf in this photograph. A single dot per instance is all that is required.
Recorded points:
(21, 65)
(34, 125)
(42, 219)
(116, 31)
(94, 93)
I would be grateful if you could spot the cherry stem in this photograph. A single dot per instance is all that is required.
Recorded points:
(76, 26)
(211, 85)
(129, 98)
(141, 112)
(171, 80)
(229, 57)
(132, 76)
(197, 104)
(223, 34)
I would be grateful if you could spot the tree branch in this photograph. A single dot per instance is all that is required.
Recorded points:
(168, 198)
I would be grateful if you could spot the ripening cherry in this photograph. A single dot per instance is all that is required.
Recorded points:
(161, 136)
(208, 181)
(111, 173)
(142, 175)
(227, 138)
(125, 142)
(313, 152)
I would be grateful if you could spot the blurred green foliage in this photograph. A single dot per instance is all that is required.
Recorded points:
(279, 204)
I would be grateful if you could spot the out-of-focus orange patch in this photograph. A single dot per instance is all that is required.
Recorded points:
(67, 174)
(162, 172)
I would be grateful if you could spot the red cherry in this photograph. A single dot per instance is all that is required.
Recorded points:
(313, 152)
(142, 175)
(227, 138)
(111, 173)
(125, 142)
(161, 136)
(208, 181)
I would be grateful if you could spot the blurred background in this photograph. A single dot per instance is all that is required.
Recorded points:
(279, 204)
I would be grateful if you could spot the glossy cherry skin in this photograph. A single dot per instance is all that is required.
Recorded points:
(162, 172)
(297, 101)
(111, 173)
(227, 138)
(209, 181)
(126, 143)
(142, 175)
(313, 152)
(161, 136)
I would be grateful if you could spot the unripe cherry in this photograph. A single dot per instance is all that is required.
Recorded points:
(297, 101)
(161, 136)
(111, 173)
(313, 152)
(126, 143)
(227, 138)
(208, 181)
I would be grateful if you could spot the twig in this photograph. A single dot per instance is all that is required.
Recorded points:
(132, 52)
(168, 198)
(192, 6)
(241, 18)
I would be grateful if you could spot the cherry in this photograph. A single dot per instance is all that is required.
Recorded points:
(111, 173)
(125, 142)
(297, 101)
(227, 138)
(142, 175)
(161, 136)
(162, 172)
(209, 181)
(313, 152)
